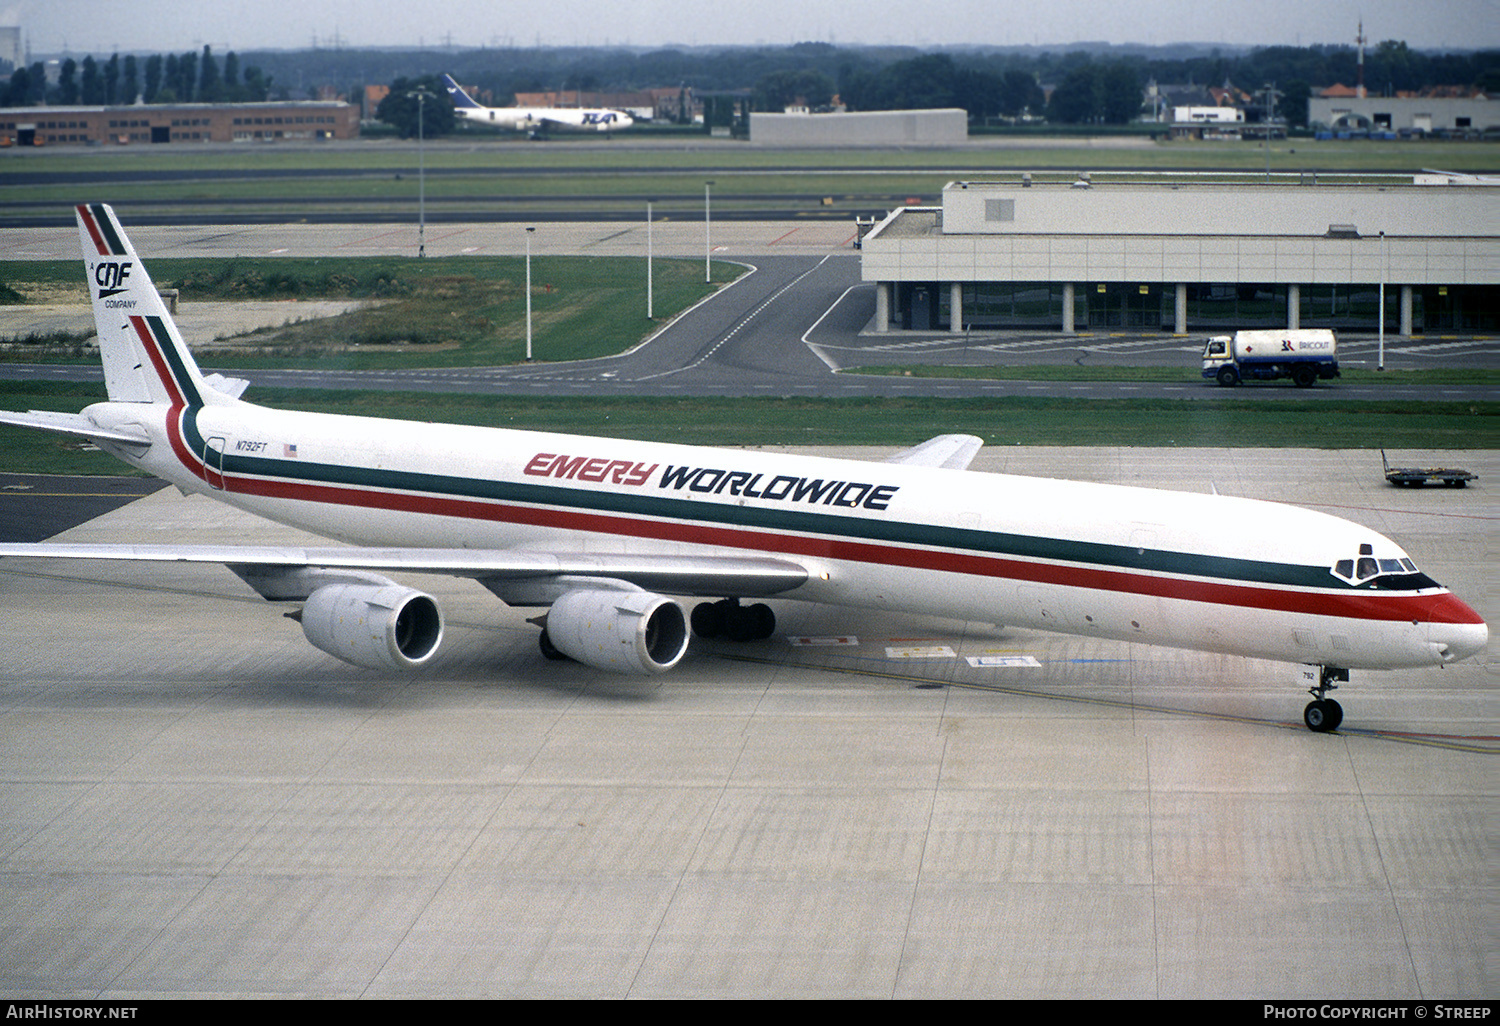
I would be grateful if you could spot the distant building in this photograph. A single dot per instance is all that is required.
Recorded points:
(12, 51)
(937, 127)
(1230, 95)
(373, 95)
(177, 123)
(1206, 122)
(1440, 111)
(1161, 99)
(1168, 253)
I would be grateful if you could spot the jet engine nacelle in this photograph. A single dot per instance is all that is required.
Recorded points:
(625, 631)
(379, 628)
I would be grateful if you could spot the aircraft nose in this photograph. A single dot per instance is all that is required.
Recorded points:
(1455, 641)
(1456, 631)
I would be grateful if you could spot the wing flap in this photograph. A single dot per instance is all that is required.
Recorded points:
(948, 452)
(277, 569)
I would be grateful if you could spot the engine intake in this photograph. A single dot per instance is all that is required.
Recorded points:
(624, 631)
(379, 628)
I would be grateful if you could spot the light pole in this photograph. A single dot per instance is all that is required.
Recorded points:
(529, 230)
(421, 95)
(708, 274)
(648, 261)
(1270, 95)
(1381, 364)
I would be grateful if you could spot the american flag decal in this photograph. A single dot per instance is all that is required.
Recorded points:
(289, 451)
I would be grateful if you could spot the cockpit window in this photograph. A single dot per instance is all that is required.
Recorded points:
(1365, 571)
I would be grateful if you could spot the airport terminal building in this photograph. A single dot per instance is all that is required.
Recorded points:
(139, 124)
(1193, 252)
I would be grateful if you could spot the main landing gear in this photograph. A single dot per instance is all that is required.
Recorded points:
(725, 619)
(1323, 714)
(732, 621)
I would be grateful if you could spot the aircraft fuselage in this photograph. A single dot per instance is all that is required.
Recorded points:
(1199, 571)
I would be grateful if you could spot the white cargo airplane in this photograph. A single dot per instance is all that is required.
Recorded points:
(602, 530)
(536, 120)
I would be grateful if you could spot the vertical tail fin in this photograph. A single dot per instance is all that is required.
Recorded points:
(145, 359)
(461, 99)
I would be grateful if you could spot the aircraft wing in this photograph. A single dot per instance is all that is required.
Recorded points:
(523, 578)
(950, 452)
(72, 424)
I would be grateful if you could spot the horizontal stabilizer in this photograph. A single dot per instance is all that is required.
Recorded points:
(232, 387)
(72, 424)
(948, 452)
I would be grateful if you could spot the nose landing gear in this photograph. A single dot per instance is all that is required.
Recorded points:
(1323, 714)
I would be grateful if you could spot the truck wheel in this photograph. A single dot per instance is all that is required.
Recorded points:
(1305, 375)
(1227, 377)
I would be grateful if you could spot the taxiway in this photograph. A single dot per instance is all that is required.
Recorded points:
(195, 802)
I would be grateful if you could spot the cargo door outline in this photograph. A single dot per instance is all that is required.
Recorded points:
(213, 461)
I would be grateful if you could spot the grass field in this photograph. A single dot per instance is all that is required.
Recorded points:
(488, 177)
(438, 312)
(694, 156)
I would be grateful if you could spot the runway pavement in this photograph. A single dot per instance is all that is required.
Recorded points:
(195, 802)
(596, 238)
(34, 507)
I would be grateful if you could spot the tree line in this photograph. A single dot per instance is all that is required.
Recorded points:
(1084, 88)
(1103, 85)
(176, 78)
(1099, 85)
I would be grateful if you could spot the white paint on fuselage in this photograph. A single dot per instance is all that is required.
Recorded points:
(1179, 522)
(521, 119)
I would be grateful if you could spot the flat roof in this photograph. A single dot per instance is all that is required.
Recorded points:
(913, 222)
(148, 108)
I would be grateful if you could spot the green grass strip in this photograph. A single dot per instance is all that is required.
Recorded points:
(467, 311)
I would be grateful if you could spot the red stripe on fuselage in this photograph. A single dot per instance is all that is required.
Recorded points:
(185, 456)
(178, 403)
(1438, 607)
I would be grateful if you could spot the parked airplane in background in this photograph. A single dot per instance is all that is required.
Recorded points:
(536, 120)
(602, 531)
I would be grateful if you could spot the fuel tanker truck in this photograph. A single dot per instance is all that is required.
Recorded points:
(1303, 354)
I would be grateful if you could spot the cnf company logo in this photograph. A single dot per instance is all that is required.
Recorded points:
(111, 276)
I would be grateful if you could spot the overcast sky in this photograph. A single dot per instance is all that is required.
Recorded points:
(173, 26)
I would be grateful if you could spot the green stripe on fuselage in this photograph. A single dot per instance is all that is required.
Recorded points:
(791, 518)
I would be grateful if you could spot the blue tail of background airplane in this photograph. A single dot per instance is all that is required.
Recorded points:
(457, 94)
